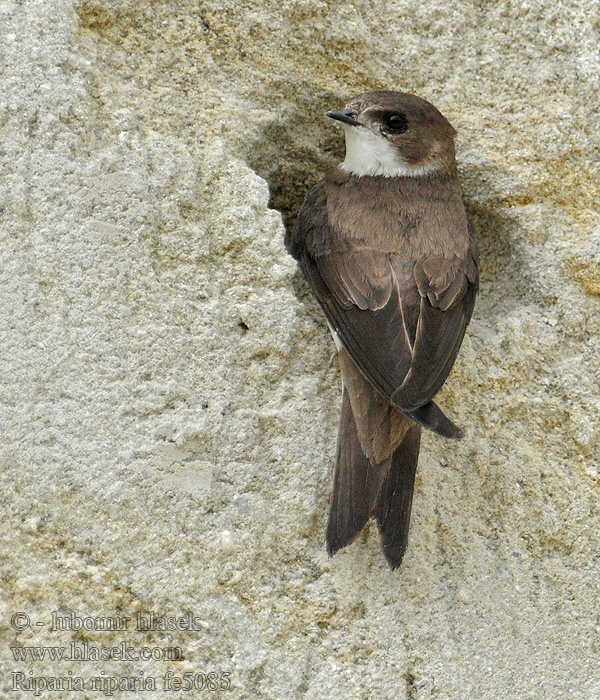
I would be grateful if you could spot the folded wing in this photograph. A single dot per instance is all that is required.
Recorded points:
(403, 330)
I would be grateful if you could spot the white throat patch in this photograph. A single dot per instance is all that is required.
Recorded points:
(368, 153)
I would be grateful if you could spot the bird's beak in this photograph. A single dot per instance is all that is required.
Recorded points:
(342, 115)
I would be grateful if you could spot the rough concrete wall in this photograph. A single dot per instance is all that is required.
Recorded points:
(168, 395)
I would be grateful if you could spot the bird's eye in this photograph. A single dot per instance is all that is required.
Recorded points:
(396, 122)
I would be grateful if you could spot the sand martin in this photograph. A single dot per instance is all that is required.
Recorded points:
(386, 246)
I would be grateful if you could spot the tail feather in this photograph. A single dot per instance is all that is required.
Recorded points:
(376, 461)
(362, 490)
(356, 485)
(395, 497)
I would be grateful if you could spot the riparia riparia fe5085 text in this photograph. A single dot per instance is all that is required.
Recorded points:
(385, 243)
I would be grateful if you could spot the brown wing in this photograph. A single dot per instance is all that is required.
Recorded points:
(402, 332)
(447, 289)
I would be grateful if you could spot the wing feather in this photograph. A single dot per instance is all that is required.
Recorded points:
(402, 330)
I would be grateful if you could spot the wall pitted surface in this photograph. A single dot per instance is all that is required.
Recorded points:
(169, 400)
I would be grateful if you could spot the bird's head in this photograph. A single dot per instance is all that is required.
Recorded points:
(395, 134)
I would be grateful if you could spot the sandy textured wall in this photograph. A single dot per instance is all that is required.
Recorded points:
(168, 395)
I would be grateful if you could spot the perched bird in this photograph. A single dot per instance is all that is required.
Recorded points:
(386, 246)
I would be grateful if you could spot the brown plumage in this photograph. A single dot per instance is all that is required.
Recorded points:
(385, 243)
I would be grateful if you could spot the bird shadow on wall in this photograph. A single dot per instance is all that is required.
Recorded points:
(294, 152)
(503, 274)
